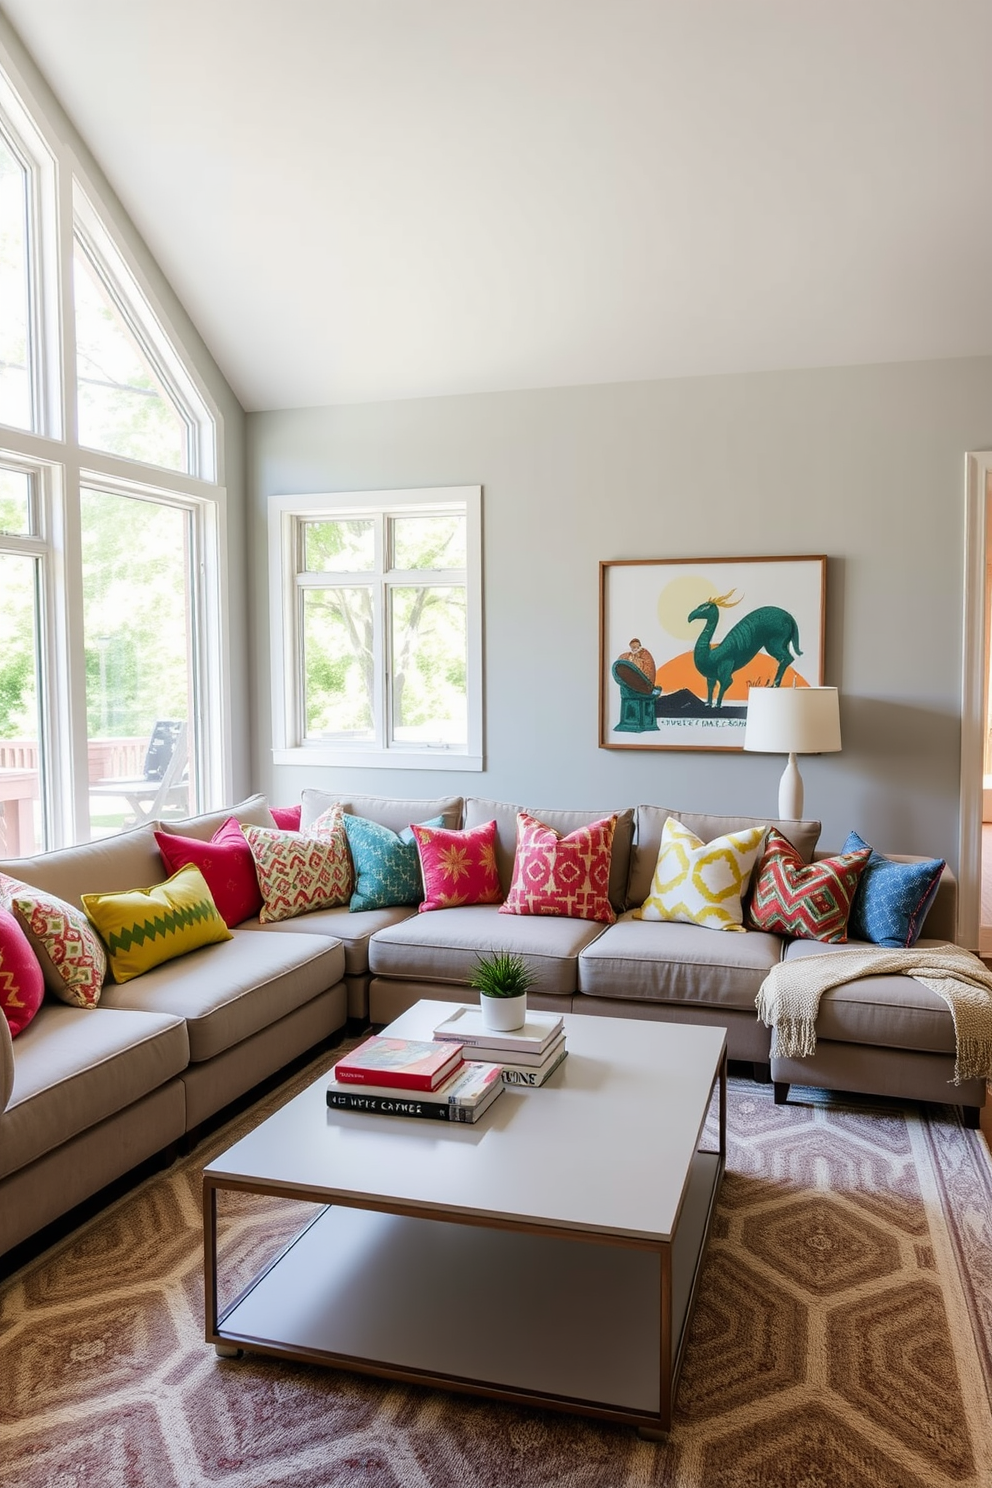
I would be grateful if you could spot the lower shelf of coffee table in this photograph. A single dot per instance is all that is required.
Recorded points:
(572, 1320)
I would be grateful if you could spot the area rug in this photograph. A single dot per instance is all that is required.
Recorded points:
(842, 1337)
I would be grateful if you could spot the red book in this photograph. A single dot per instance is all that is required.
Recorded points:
(407, 1064)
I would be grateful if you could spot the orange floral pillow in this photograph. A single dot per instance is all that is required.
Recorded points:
(458, 867)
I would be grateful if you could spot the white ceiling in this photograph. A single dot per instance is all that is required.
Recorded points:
(365, 199)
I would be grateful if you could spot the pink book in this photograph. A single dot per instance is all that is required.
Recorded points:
(404, 1064)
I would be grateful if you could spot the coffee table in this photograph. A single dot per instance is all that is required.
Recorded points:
(548, 1254)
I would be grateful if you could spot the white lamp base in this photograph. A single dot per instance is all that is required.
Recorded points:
(790, 792)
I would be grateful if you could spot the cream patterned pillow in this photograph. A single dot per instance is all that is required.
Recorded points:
(702, 883)
(302, 871)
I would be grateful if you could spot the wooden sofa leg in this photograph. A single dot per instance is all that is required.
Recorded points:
(972, 1117)
(781, 1092)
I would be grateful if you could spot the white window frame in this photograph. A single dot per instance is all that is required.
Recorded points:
(64, 199)
(290, 747)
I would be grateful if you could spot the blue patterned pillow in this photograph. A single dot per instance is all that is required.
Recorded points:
(387, 865)
(892, 899)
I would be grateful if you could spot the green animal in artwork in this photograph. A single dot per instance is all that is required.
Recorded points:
(766, 629)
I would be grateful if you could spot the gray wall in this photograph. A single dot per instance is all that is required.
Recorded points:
(864, 464)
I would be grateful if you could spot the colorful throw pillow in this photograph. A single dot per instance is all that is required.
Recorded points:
(702, 883)
(458, 867)
(22, 985)
(225, 862)
(287, 818)
(302, 871)
(892, 899)
(555, 875)
(387, 864)
(141, 928)
(69, 951)
(808, 901)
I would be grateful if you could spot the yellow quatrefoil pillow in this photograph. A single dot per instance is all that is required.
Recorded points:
(701, 883)
(141, 928)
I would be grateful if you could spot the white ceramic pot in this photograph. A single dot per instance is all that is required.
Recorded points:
(503, 1014)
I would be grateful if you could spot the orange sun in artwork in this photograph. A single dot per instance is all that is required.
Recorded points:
(758, 672)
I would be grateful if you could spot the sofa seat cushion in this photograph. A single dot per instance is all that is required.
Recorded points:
(77, 1066)
(891, 1012)
(444, 946)
(229, 991)
(353, 930)
(668, 961)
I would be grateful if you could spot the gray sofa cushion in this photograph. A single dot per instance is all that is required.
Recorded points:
(650, 824)
(478, 810)
(353, 930)
(77, 1066)
(893, 1012)
(387, 811)
(228, 991)
(131, 860)
(444, 945)
(253, 811)
(669, 962)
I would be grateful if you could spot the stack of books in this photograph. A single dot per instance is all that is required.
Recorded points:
(413, 1077)
(527, 1056)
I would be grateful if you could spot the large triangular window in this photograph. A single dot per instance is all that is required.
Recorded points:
(133, 396)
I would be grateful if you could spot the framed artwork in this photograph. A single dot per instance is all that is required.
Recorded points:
(682, 639)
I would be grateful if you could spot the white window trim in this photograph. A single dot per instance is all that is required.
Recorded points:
(288, 747)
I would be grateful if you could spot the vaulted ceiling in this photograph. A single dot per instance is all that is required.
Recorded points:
(365, 199)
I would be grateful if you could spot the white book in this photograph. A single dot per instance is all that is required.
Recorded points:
(525, 1058)
(525, 1074)
(469, 1087)
(465, 1026)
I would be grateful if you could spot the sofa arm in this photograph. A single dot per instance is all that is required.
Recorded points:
(6, 1063)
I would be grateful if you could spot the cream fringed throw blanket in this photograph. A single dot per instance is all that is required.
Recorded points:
(789, 997)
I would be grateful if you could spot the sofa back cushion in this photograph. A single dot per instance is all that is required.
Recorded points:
(252, 812)
(650, 825)
(92, 867)
(386, 810)
(479, 810)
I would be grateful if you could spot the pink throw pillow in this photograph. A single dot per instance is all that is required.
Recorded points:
(22, 985)
(554, 875)
(458, 867)
(225, 862)
(287, 818)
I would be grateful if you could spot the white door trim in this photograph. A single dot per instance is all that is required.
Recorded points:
(977, 526)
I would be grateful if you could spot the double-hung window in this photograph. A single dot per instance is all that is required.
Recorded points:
(377, 645)
(112, 673)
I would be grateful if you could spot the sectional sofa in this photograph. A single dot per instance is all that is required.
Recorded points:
(87, 1094)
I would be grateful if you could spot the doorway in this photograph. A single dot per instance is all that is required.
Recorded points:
(975, 839)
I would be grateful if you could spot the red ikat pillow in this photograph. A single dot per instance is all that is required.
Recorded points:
(302, 871)
(458, 867)
(569, 876)
(809, 901)
(69, 951)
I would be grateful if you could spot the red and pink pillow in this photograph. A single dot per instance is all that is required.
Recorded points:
(287, 818)
(299, 872)
(22, 985)
(809, 901)
(555, 875)
(458, 867)
(68, 949)
(226, 863)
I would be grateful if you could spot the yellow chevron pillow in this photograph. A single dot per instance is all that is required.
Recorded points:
(141, 928)
(701, 883)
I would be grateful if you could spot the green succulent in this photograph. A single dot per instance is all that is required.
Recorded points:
(502, 974)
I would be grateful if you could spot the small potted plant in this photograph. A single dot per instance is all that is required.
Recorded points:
(502, 979)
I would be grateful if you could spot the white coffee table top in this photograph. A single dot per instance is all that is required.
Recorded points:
(604, 1146)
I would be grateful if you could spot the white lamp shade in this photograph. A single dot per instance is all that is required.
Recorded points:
(792, 720)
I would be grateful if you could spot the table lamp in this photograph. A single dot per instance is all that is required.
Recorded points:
(792, 720)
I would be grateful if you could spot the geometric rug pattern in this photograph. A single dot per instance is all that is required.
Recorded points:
(842, 1337)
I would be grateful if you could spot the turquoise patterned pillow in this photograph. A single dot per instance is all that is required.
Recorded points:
(387, 865)
(892, 899)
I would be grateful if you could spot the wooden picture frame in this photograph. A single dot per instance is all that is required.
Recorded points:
(680, 686)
